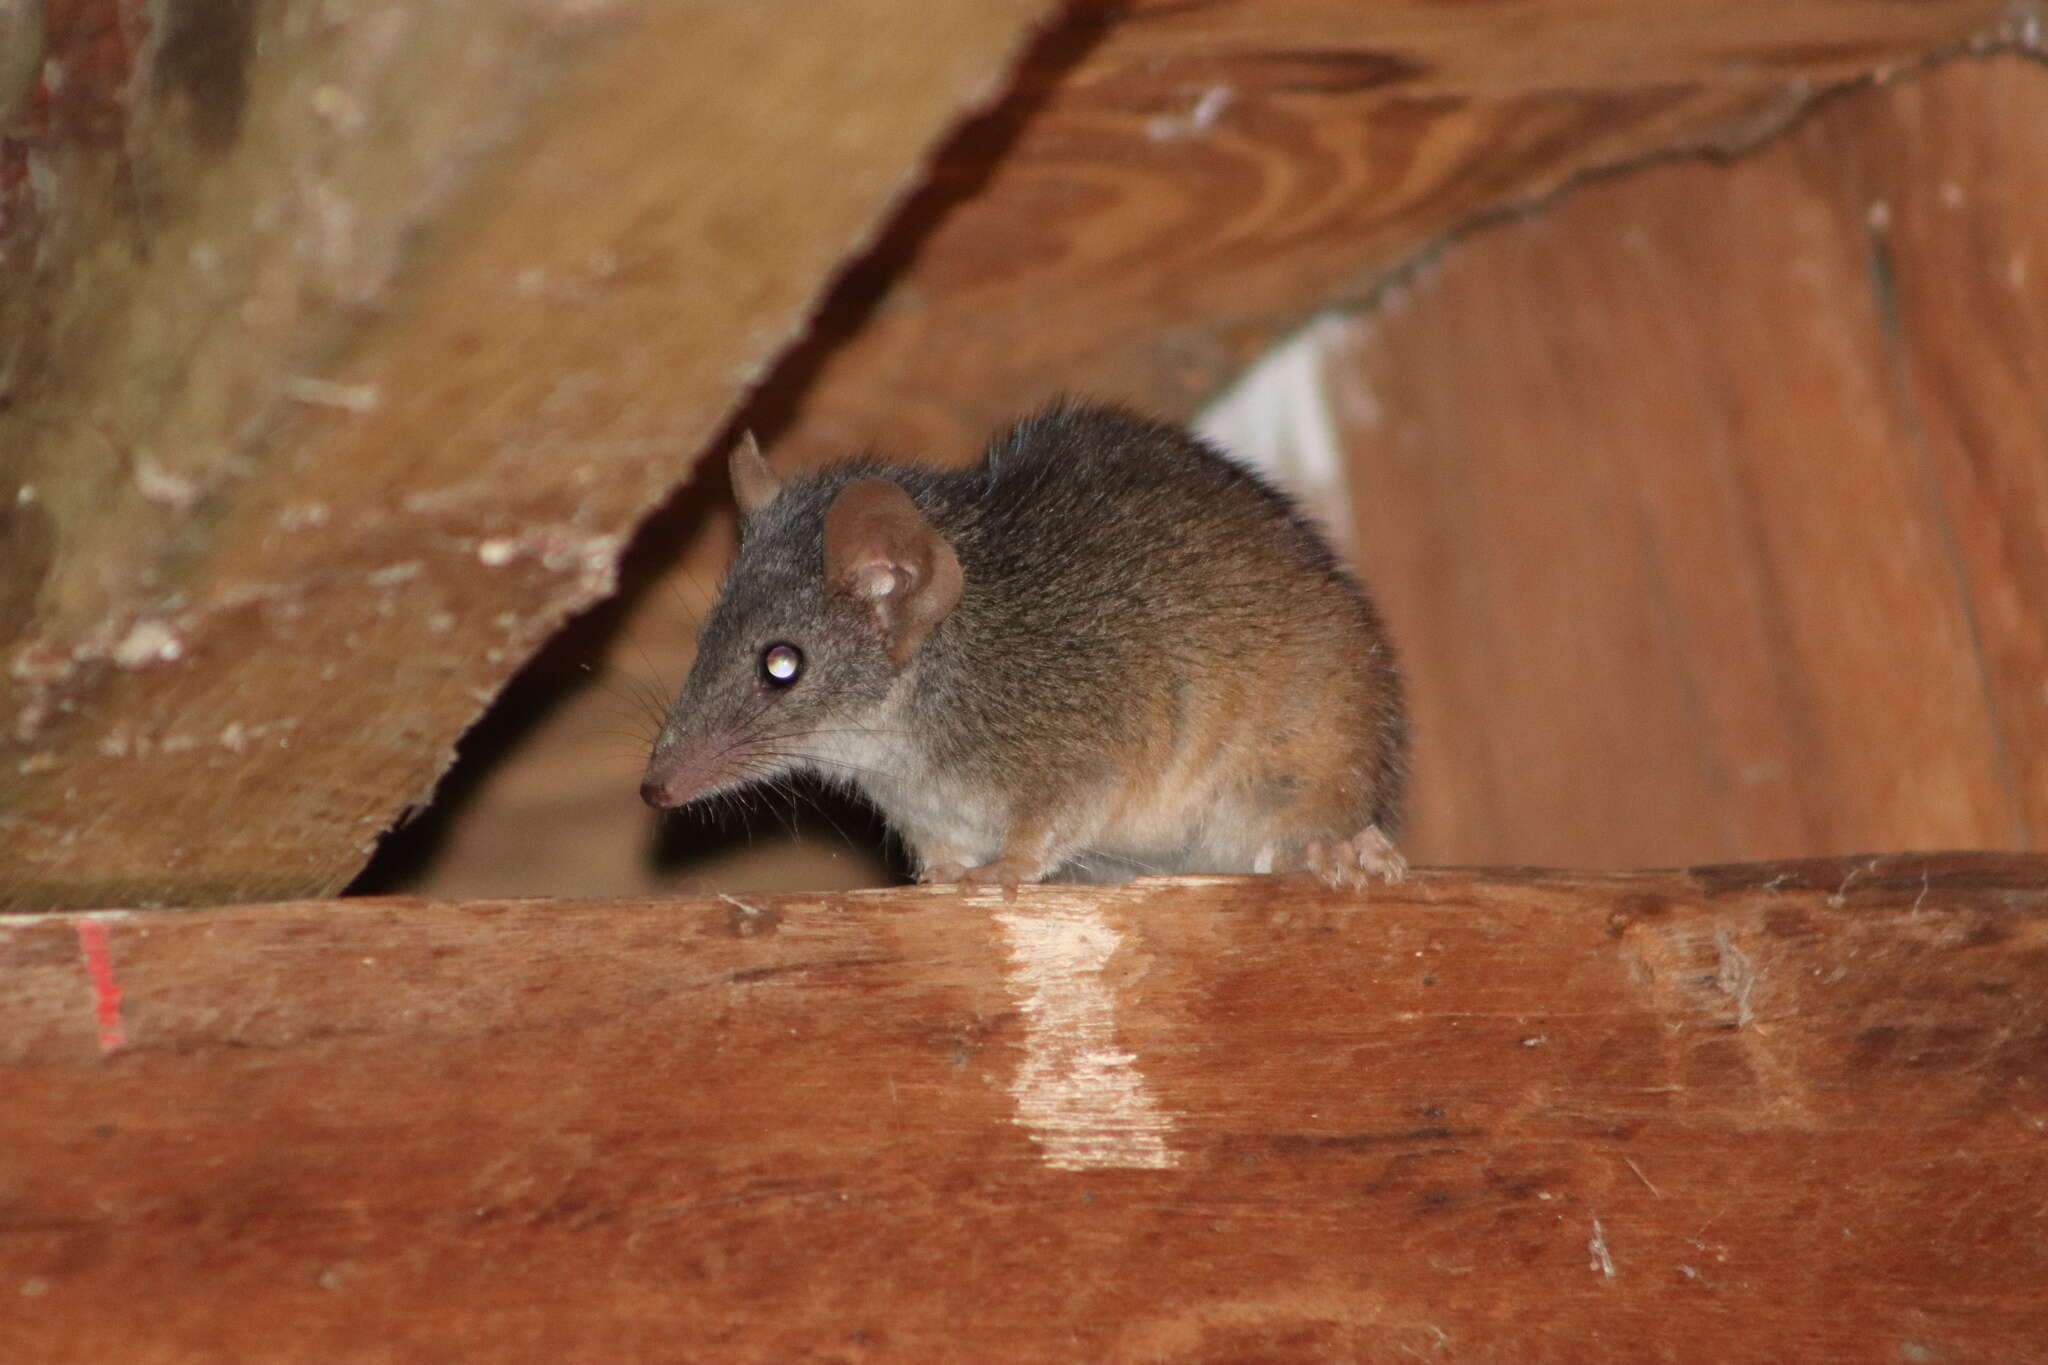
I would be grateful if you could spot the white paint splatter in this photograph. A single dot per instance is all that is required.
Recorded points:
(497, 552)
(330, 393)
(1078, 1093)
(301, 515)
(1208, 107)
(1603, 1260)
(1734, 976)
(336, 107)
(2023, 25)
(148, 642)
(391, 575)
(161, 485)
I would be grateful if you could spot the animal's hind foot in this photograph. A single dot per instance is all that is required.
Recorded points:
(1352, 864)
(1006, 873)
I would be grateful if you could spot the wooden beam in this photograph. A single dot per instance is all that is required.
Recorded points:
(1748, 1113)
(340, 352)
(1653, 486)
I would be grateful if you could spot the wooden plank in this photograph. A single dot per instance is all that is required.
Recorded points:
(1961, 256)
(339, 370)
(1753, 1113)
(1702, 544)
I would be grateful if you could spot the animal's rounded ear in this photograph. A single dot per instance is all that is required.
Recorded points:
(754, 484)
(881, 552)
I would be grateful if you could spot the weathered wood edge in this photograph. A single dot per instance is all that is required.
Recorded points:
(1717, 1113)
(1873, 877)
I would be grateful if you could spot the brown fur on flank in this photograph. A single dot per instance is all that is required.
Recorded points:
(1104, 650)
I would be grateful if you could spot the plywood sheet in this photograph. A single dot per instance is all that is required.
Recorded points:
(1709, 503)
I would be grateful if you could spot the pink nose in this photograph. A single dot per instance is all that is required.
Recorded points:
(654, 794)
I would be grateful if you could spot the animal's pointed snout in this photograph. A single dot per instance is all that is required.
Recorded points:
(686, 769)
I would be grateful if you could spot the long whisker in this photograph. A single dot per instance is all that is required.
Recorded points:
(612, 683)
(828, 762)
(704, 590)
(781, 807)
(635, 743)
(690, 614)
(826, 815)
(809, 734)
(648, 664)
(637, 701)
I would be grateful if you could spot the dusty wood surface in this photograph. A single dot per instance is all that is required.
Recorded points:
(1711, 519)
(1757, 1113)
(1712, 503)
(340, 352)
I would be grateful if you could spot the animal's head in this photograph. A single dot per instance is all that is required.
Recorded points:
(838, 581)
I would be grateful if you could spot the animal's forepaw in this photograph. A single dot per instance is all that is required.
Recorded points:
(939, 874)
(1008, 873)
(1351, 864)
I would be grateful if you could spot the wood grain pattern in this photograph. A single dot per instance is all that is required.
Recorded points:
(1752, 1113)
(339, 379)
(1195, 179)
(1704, 542)
(1961, 268)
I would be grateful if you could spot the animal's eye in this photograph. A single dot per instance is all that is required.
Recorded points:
(781, 664)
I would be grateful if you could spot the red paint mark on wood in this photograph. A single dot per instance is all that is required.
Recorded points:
(93, 938)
